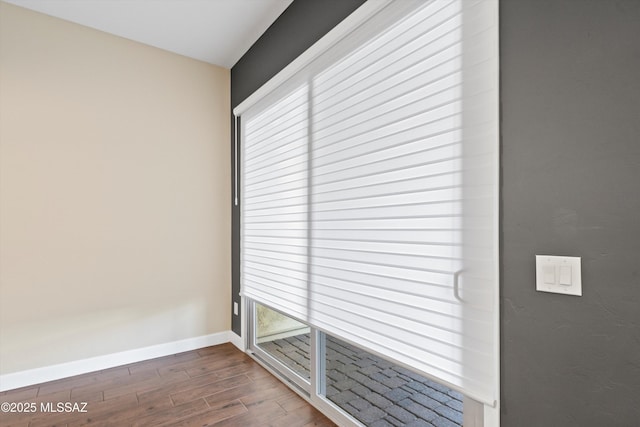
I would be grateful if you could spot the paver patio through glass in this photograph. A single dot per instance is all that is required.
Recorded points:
(374, 391)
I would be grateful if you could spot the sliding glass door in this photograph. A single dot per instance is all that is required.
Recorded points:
(352, 385)
(282, 342)
(369, 245)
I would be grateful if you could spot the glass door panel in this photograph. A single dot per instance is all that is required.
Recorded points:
(348, 383)
(376, 391)
(283, 339)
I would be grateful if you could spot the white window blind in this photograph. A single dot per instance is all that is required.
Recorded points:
(275, 198)
(369, 191)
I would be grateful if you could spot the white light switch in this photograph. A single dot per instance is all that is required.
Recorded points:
(549, 272)
(558, 274)
(565, 275)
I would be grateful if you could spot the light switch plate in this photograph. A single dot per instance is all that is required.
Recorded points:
(559, 274)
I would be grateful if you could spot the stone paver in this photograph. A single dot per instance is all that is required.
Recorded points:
(374, 391)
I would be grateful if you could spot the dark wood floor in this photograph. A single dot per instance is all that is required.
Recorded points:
(217, 385)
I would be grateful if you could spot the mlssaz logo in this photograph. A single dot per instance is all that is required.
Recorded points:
(63, 407)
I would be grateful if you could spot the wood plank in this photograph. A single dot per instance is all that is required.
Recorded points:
(173, 413)
(21, 393)
(186, 384)
(263, 386)
(209, 389)
(141, 386)
(216, 414)
(258, 415)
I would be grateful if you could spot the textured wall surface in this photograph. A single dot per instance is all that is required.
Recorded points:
(571, 186)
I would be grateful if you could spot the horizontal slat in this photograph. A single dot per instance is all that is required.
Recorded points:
(421, 249)
(267, 264)
(277, 188)
(446, 208)
(277, 288)
(447, 185)
(403, 261)
(427, 224)
(431, 196)
(293, 281)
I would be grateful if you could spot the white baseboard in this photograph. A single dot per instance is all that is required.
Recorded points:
(63, 370)
(237, 341)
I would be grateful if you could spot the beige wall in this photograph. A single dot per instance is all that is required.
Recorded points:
(114, 194)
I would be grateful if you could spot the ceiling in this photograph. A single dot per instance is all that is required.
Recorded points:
(215, 31)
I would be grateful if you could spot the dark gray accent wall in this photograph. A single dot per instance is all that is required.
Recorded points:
(570, 73)
(302, 24)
